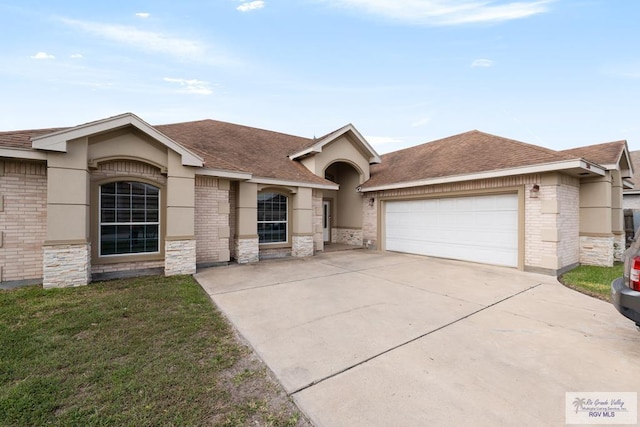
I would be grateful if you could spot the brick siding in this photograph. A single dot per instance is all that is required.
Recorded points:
(23, 219)
(210, 219)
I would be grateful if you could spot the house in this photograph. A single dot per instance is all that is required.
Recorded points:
(119, 197)
(631, 198)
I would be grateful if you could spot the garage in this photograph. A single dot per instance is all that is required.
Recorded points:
(481, 229)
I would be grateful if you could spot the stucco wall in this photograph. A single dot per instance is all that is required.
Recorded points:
(23, 219)
(318, 241)
(233, 230)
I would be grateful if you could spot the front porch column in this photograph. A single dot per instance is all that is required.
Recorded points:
(302, 223)
(596, 234)
(67, 251)
(617, 216)
(180, 240)
(247, 242)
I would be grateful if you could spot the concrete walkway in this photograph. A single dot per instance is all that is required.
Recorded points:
(366, 338)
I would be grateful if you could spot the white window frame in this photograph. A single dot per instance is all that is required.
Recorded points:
(129, 223)
(285, 222)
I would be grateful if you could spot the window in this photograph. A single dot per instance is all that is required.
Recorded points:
(272, 218)
(129, 218)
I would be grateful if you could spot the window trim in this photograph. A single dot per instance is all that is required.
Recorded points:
(287, 223)
(96, 258)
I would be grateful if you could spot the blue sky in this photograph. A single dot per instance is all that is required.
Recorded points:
(557, 73)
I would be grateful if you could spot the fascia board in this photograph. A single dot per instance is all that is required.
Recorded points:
(548, 167)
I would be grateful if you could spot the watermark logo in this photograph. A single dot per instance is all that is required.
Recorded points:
(601, 407)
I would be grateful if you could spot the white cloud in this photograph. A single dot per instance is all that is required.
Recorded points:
(482, 63)
(42, 55)
(252, 5)
(193, 86)
(144, 40)
(76, 56)
(447, 12)
(143, 15)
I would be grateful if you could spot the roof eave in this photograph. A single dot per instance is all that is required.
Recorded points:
(223, 173)
(289, 183)
(578, 166)
(19, 153)
(57, 141)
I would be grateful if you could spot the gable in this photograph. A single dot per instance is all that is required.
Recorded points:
(57, 141)
(126, 143)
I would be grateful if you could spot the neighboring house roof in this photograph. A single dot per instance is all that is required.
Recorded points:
(470, 154)
(635, 160)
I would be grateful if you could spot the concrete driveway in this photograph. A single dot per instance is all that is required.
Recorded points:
(368, 338)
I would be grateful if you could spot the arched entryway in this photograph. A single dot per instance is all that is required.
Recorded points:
(342, 209)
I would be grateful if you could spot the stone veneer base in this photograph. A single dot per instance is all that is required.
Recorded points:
(66, 265)
(597, 251)
(302, 246)
(247, 250)
(347, 236)
(179, 257)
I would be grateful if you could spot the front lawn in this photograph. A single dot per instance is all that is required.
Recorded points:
(146, 351)
(591, 280)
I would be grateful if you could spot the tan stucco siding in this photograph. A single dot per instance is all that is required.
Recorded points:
(233, 228)
(595, 206)
(68, 195)
(343, 150)
(212, 220)
(127, 143)
(318, 241)
(23, 219)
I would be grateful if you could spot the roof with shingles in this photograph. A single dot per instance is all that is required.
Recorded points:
(466, 153)
(607, 153)
(22, 138)
(225, 145)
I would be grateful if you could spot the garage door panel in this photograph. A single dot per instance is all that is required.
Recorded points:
(479, 228)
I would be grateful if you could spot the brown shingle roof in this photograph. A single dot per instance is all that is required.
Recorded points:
(225, 145)
(222, 145)
(603, 154)
(22, 138)
(466, 153)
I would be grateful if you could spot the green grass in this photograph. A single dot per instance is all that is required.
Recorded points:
(146, 351)
(591, 280)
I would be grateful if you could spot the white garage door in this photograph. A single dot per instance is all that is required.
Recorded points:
(480, 228)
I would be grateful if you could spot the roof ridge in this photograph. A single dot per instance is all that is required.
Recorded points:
(232, 124)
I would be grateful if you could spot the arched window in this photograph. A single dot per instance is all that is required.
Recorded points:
(129, 218)
(272, 218)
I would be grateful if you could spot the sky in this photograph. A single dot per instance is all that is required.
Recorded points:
(555, 73)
